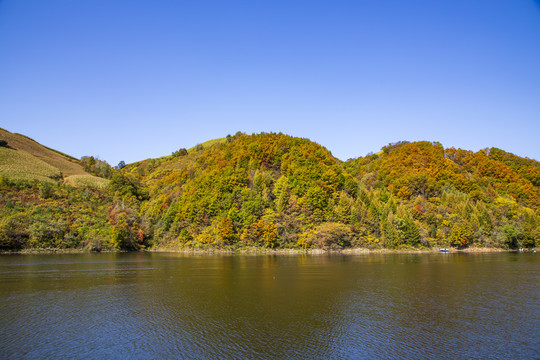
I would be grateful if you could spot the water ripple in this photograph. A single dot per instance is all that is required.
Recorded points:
(263, 307)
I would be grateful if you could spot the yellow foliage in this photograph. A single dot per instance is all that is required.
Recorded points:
(504, 201)
(305, 239)
(404, 192)
(204, 239)
(225, 230)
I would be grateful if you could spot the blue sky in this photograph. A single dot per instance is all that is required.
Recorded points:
(129, 80)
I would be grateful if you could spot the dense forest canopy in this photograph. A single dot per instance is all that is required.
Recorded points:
(277, 191)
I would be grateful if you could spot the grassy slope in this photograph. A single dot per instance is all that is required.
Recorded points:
(68, 166)
(208, 144)
(20, 165)
(26, 159)
(86, 180)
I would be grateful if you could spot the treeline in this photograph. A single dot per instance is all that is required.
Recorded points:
(273, 190)
(97, 167)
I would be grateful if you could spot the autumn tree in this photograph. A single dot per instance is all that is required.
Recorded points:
(225, 231)
(461, 236)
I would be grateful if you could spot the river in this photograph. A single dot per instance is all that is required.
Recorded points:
(167, 305)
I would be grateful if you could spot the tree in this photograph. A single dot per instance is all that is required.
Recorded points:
(225, 230)
(126, 186)
(316, 197)
(411, 232)
(404, 192)
(121, 164)
(461, 236)
(529, 238)
(180, 152)
(389, 233)
(513, 236)
(282, 193)
(96, 166)
(126, 232)
(270, 235)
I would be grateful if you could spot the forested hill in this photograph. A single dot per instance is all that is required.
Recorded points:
(261, 190)
(456, 197)
(277, 191)
(425, 169)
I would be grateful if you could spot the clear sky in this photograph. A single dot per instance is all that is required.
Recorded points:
(128, 80)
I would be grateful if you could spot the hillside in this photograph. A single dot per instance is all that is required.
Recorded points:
(277, 191)
(456, 197)
(64, 163)
(424, 169)
(47, 200)
(23, 158)
(21, 165)
(252, 190)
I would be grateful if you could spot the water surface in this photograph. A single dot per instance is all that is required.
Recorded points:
(155, 305)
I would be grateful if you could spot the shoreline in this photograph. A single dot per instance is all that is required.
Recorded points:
(351, 251)
(266, 251)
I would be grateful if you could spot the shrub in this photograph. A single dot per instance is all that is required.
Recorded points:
(332, 236)
(181, 152)
(47, 233)
(45, 190)
(13, 234)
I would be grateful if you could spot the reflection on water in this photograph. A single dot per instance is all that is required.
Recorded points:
(149, 305)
